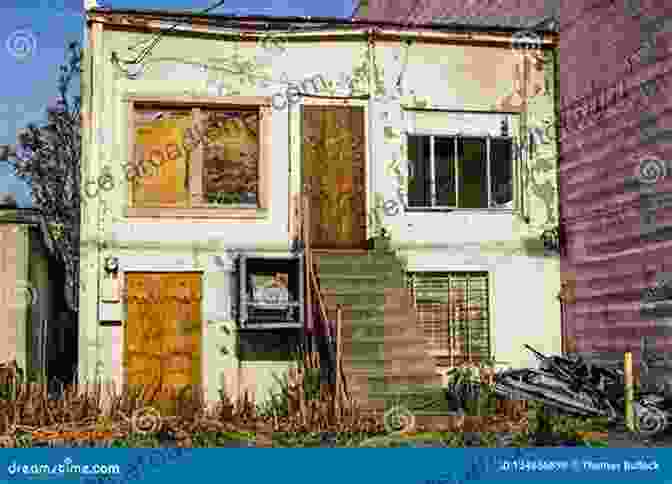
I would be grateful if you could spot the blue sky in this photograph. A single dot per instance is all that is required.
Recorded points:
(35, 34)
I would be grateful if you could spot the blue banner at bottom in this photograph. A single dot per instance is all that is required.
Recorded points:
(337, 466)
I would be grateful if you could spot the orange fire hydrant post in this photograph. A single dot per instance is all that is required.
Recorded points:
(627, 369)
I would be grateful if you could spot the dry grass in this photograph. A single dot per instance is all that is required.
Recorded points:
(94, 413)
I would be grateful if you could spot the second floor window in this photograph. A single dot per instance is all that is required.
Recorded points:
(460, 172)
(196, 157)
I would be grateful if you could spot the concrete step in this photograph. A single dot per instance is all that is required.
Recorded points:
(380, 328)
(390, 373)
(398, 391)
(373, 263)
(377, 360)
(409, 339)
(358, 300)
(384, 347)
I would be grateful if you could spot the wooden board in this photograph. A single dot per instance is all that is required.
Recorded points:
(334, 169)
(162, 333)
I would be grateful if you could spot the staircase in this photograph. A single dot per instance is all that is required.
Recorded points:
(384, 353)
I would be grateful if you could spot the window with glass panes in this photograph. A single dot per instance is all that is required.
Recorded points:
(453, 312)
(460, 171)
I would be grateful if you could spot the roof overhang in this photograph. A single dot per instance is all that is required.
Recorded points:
(254, 28)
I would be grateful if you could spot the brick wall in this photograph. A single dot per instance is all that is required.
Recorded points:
(423, 11)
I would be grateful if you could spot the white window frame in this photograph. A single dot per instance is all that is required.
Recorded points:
(433, 134)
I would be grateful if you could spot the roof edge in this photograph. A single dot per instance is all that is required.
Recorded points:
(267, 20)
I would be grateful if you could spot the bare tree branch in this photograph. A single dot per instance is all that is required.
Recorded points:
(47, 158)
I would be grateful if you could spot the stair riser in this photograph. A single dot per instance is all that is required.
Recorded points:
(387, 349)
(364, 300)
(390, 333)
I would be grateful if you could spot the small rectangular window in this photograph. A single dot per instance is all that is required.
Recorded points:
(460, 172)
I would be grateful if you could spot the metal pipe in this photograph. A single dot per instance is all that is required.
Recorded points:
(339, 316)
(627, 367)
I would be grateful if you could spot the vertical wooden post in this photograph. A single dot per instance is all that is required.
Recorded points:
(627, 367)
(339, 316)
(305, 222)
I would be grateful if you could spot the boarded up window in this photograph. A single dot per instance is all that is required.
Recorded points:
(453, 312)
(193, 156)
(231, 157)
(160, 174)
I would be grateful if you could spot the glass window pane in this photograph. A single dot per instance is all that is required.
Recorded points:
(501, 173)
(472, 174)
(444, 165)
(419, 176)
(231, 157)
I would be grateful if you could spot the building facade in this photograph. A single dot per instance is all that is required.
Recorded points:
(439, 141)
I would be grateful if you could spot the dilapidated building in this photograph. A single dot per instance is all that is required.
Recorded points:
(256, 168)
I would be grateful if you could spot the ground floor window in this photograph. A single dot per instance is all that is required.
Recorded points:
(453, 311)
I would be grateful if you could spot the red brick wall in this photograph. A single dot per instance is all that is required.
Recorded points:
(611, 249)
(423, 11)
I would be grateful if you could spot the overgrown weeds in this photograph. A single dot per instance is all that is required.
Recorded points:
(302, 413)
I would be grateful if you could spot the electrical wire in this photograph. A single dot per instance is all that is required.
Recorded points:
(160, 35)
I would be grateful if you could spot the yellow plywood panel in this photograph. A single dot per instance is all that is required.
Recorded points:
(163, 157)
(163, 331)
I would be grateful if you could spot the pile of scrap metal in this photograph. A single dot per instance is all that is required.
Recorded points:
(574, 386)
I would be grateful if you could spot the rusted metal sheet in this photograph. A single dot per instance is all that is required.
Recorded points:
(616, 177)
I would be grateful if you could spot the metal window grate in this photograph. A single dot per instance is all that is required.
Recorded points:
(453, 311)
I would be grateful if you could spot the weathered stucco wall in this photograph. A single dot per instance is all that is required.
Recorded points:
(449, 77)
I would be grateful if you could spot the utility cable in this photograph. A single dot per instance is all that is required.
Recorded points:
(153, 42)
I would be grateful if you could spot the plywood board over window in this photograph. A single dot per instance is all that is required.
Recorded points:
(162, 333)
(200, 160)
(163, 181)
(231, 158)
